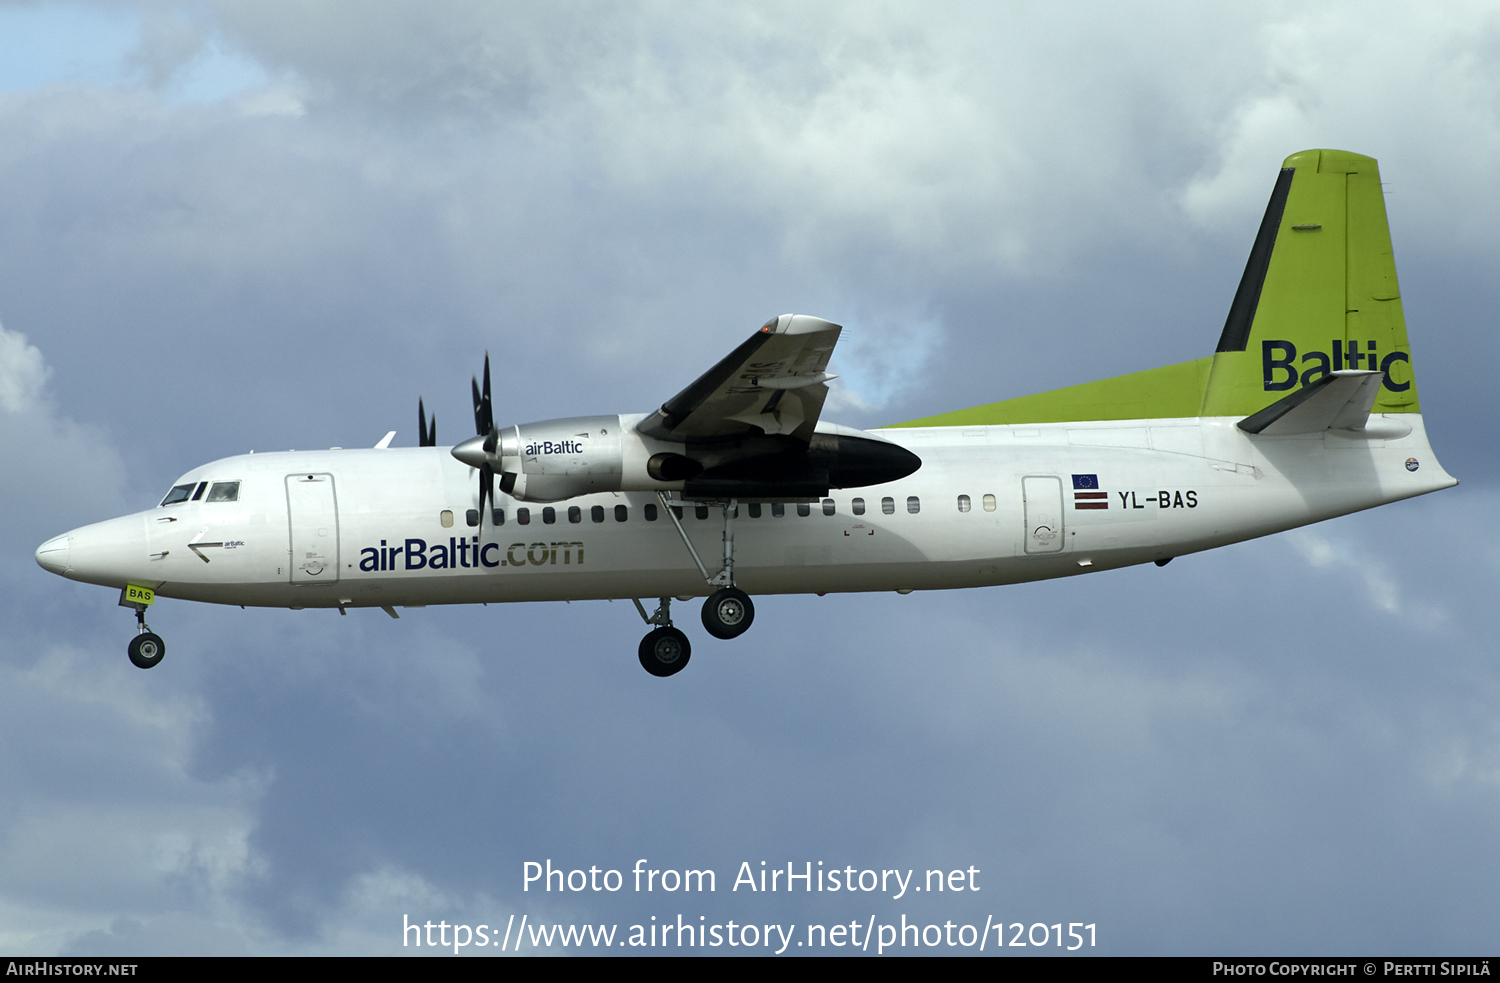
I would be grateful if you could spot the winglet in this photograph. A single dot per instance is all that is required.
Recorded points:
(1338, 401)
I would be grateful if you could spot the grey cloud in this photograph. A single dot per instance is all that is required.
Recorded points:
(166, 45)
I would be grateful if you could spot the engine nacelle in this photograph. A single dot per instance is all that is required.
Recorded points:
(560, 459)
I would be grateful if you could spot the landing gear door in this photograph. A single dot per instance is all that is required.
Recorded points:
(1044, 513)
(314, 519)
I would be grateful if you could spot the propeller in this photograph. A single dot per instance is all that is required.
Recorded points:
(479, 451)
(484, 426)
(425, 437)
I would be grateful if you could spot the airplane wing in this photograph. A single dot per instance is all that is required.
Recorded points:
(775, 382)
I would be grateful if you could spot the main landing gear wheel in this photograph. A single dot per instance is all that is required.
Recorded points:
(665, 651)
(147, 649)
(727, 613)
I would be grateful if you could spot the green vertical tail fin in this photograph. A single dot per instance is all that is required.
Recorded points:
(1319, 292)
(1318, 295)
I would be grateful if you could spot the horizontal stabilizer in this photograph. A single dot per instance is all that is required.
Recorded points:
(1339, 401)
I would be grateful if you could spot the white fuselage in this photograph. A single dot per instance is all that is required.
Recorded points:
(387, 527)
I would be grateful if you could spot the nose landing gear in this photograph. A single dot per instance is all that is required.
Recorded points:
(146, 648)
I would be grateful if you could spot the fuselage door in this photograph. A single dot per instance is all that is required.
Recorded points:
(1044, 513)
(314, 519)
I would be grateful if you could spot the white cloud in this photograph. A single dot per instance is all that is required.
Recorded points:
(23, 372)
(1413, 86)
(56, 471)
(1383, 588)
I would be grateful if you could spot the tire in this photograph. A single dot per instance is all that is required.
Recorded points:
(665, 651)
(146, 650)
(728, 613)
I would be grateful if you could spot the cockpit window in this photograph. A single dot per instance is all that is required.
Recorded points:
(180, 493)
(224, 491)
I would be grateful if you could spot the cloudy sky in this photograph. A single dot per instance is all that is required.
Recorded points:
(271, 224)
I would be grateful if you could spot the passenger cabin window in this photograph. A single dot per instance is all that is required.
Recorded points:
(549, 515)
(888, 506)
(622, 513)
(701, 511)
(597, 513)
(446, 518)
(650, 510)
(778, 509)
(828, 506)
(523, 517)
(179, 493)
(224, 491)
(472, 517)
(989, 503)
(755, 510)
(575, 514)
(913, 504)
(804, 509)
(963, 503)
(497, 516)
(858, 506)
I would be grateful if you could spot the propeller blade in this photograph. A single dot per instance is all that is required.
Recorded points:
(478, 416)
(484, 417)
(425, 437)
(484, 426)
(486, 489)
(488, 424)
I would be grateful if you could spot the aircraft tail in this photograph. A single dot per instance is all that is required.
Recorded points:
(1318, 300)
(1319, 293)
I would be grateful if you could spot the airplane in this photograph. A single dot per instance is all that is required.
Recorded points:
(1306, 410)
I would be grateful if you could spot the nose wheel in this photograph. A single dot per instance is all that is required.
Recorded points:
(146, 648)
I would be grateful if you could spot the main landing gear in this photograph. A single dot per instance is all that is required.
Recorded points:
(727, 613)
(146, 648)
(665, 650)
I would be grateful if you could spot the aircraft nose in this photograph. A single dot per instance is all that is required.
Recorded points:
(53, 555)
(111, 553)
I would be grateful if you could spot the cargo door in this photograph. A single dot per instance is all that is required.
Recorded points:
(312, 510)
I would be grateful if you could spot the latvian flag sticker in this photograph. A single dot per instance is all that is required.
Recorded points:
(1086, 493)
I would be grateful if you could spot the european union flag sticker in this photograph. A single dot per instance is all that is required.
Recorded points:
(1085, 481)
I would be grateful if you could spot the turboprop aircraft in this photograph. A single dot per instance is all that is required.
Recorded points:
(1306, 410)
